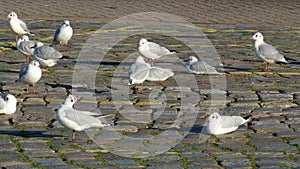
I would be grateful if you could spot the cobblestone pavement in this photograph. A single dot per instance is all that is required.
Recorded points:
(234, 12)
(31, 138)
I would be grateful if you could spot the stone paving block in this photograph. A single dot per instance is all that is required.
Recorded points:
(270, 126)
(272, 145)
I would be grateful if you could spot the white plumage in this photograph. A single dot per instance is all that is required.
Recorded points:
(77, 120)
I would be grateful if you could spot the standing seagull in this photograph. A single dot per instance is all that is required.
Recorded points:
(200, 67)
(8, 104)
(17, 25)
(224, 124)
(77, 120)
(47, 56)
(63, 34)
(24, 46)
(30, 74)
(265, 51)
(152, 50)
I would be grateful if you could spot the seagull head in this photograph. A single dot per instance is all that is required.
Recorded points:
(191, 60)
(66, 22)
(143, 42)
(24, 38)
(258, 37)
(70, 100)
(214, 116)
(12, 15)
(34, 63)
(10, 99)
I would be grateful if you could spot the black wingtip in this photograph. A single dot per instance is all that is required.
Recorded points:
(247, 117)
(65, 57)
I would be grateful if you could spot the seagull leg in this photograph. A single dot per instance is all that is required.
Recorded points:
(17, 36)
(142, 92)
(266, 66)
(67, 46)
(27, 60)
(27, 88)
(73, 136)
(33, 91)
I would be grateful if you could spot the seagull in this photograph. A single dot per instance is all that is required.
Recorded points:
(46, 55)
(77, 120)
(141, 71)
(30, 74)
(265, 51)
(152, 50)
(63, 34)
(25, 46)
(138, 72)
(224, 124)
(200, 67)
(17, 25)
(8, 104)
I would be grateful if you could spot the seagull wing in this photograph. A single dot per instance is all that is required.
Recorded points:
(82, 119)
(23, 25)
(157, 49)
(47, 52)
(232, 121)
(22, 72)
(269, 52)
(159, 74)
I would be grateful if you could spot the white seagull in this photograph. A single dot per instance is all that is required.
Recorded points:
(63, 34)
(47, 56)
(200, 67)
(30, 74)
(25, 46)
(224, 124)
(152, 50)
(8, 104)
(17, 25)
(77, 120)
(138, 72)
(141, 71)
(265, 51)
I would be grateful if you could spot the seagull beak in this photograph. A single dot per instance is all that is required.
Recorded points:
(7, 17)
(78, 99)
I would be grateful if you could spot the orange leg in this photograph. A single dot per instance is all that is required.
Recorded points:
(27, 88)
(73, 136)
(266, 64)
(33, 91)
(27, 60)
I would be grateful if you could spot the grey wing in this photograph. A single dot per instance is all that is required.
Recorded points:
(26, 46)
(231, 121)
(47, 52)
(23, 71)
(23, 25)
(159, 74)
(57, 32)
(157, 49)
(82, 119)
(269, 52)
(203, 67)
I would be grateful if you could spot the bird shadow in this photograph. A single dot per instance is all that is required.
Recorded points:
(28, 134)
(113, 63)
(55, 85)
(239, 68)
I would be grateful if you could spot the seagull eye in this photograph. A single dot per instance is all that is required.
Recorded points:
(72, 100)
(6, 98)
